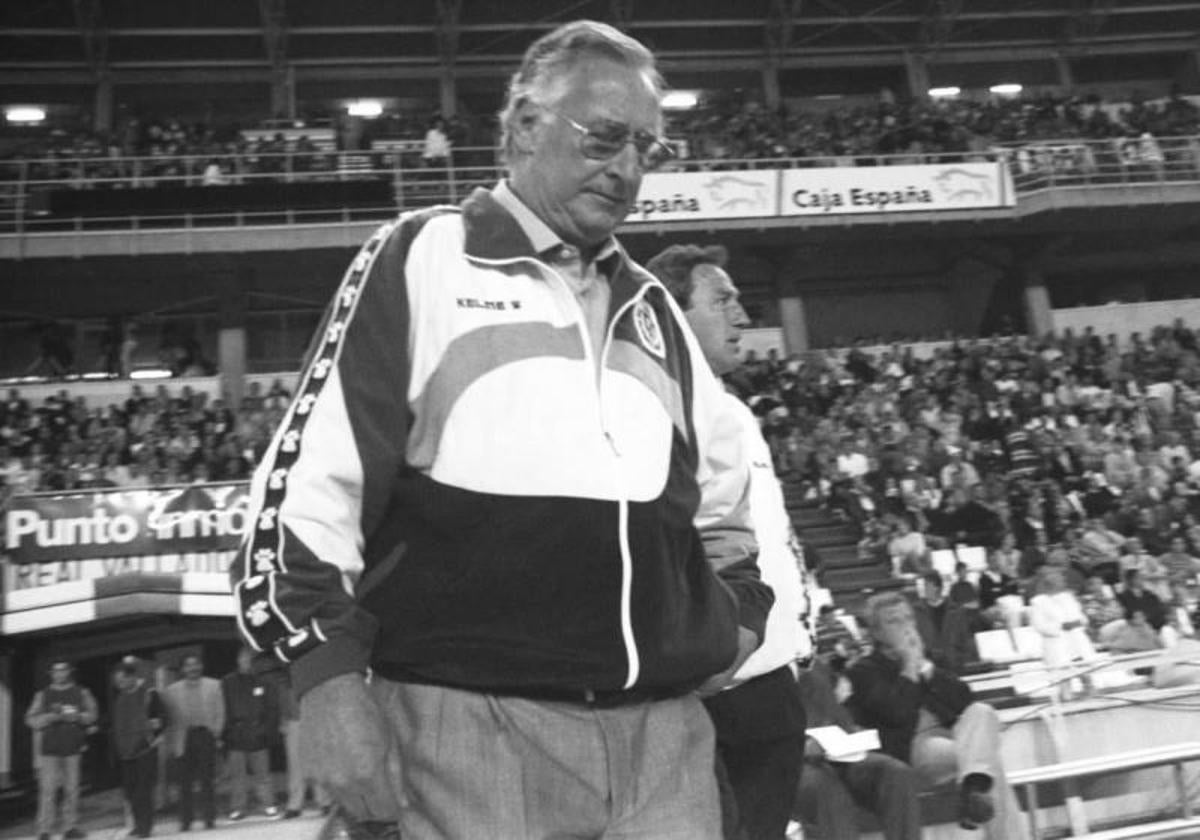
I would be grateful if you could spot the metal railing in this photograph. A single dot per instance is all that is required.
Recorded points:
(26, 186)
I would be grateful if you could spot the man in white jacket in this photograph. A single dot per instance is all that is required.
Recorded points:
(760, 721)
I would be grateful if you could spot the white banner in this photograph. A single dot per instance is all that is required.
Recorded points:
(684, 196)
(895, 189)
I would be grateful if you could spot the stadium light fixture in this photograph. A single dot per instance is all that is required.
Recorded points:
(150, 373)
(680, 100)
(25, 114)
(369, 108)
(1006, 89)
(945, 92)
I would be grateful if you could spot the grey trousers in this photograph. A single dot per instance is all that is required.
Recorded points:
(477, 765)
(941, 755)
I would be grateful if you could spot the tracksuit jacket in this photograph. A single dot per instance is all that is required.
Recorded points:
(462, 494)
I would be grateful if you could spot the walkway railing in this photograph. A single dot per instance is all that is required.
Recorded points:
(37, 195)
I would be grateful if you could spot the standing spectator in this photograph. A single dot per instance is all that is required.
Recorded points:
(138, 720)
(301, 772)
(61, 713)
(251, 724)
(1058, 617)
(197, 716)
(435, 153)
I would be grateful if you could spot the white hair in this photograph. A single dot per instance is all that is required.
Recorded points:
(543, 69)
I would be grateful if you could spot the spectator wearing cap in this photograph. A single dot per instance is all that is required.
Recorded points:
(61, 715)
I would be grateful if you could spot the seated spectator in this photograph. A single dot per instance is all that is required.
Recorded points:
(908, 550)
(829, 790)
(1154, 575)
(927, 718)
(999, 589)
(1134, 635)
(947, 631)
(962, 592)
(1180, 565)
(1135, 598)
(1101, 607)
(835, 644)
(1099, 550)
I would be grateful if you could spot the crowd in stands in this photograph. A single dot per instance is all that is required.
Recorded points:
(919, 129)
(151, 439)
(1074, 461)
(171, 151)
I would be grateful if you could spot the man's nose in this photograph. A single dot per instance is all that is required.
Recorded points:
(739, 317)
(626, 164)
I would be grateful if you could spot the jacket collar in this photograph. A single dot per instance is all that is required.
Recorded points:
(499, 227)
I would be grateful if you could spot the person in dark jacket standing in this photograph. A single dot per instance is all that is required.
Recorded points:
(138, 720)
(62, 713)
(251, 723)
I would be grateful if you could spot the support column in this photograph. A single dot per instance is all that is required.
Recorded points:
(447, 93)
(103, 113)
(1038, 318)
(771, 95)
(1066, 75)
(231, 340)
(281, 101)
(917, 70)
(6, 718)
(794, 323)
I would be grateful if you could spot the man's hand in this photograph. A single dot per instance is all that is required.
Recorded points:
(812, 749)
(747, 644)
(344, 732)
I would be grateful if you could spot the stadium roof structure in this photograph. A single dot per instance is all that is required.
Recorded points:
(77, 42)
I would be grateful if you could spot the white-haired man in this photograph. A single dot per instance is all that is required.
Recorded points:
(504, 485)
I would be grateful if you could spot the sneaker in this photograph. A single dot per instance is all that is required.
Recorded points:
(271, 811)
(291, 813)
(74, 833)
(236, 815)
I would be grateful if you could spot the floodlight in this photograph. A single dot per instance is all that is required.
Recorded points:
(368, 108)
(29, 114)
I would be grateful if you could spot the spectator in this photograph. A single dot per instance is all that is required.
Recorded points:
(61, 714)
(1154, 575)
(138, 719)
(998, 580)
(836, 645)
(301, 772)
(251, 724)
(927, 718)
(1101, 607)
(1135, 598)
(1058, 617)
(436, 152)
(1180, 565)
(831, 790)
(196, 711)
(908, 549)
(947, 631)
(962, 592)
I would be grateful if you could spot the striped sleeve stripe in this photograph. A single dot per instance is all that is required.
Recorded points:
(261, 620)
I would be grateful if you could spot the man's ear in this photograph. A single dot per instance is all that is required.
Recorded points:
(526, 127)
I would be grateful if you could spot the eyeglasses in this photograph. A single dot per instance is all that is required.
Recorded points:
(606, 142)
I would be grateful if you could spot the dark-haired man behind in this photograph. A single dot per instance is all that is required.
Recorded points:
(62, 713)
(760, 722)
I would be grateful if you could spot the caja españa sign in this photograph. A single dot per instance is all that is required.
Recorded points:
(891, 189)
(126, 523)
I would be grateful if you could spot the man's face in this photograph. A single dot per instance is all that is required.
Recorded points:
(896, 628)
(580, 199)
(716, 317)
(60, 673)
(193, 668)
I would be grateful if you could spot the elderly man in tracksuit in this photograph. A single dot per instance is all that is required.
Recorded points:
(510, 487)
